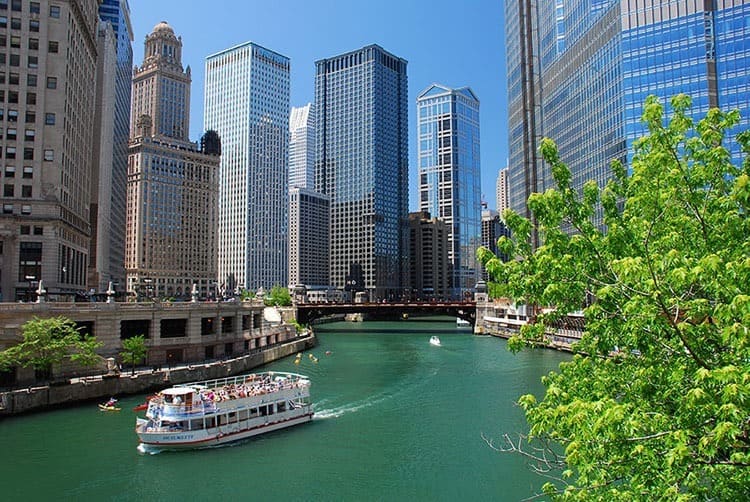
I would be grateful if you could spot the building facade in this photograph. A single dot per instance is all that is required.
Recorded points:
(172, 184)
(247, 103)
(302, 147)
(113, 85)
(449, 174)
(579, 72)
(430, 270)
(501, 192)
(362, 166)
(492, 229)
(47, 114)
(308, 238)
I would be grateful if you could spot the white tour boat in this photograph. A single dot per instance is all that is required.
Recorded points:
(434, 340)
(216, 412)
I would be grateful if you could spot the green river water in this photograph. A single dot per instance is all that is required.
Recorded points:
(396, 419)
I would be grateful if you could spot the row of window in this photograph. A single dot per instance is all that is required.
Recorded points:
(31, 79)
(30, 116)
(28, 153)
(33, 43)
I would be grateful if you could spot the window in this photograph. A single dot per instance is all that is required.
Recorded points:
(31, 80)
(7, 208)
(15, 5)
(29, 135)
(34, 7)
(49, 119)
(2, 77)
(15, 23)
(2, 95)
(30, 98)
(25, 230)
(52, 46)
(28, 172)
(8, 190)
(51, 82)
(3, 21)
(10, 152)
(38, 230)
(34, 44)
(12, 96)
(30, 117)
(15, 60)
(12, 115)
(34, 25)
(15, 41)
(49, 155)
(25, 209)
(54, 11)
(2, 58)
(10, 171)
(26, 191)
(28, 153)
(33, 61)
(11, 134)
(13, 79)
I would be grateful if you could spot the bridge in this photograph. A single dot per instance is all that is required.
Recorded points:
(308, 312)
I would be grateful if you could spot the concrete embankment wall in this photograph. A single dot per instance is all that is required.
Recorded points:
(102, 387)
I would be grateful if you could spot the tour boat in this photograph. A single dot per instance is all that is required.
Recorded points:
(434, 340)
(216, 412)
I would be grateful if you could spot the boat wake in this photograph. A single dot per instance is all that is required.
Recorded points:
(350, 407)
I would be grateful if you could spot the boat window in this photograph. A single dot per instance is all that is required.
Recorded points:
(196, 424)
(253, 412)
(263, 410)
(281, 407)
(243, 414)
(210, 422)
(232, 417)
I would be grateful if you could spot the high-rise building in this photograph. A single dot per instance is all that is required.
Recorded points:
(492, 229)
(579, 72)
(47, 115)
(111, 130)
(302, 147)
(501, 191)
(362, 166)
(247, 103)
(449, 174)
(172, 187)
(308, 238)
(430, 270)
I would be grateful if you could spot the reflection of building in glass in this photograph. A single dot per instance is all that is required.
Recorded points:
(247, 103)
(579, 72)
(172, 183)
(449, 174)
(362, 166)
(430, 271)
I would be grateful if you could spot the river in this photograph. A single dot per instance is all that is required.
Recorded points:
(396, 419)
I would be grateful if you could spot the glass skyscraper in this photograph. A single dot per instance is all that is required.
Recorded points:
(247, 103)
(361, 164)
(449, 175)
(579, 72)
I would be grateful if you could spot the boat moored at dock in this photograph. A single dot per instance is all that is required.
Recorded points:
(215, 412)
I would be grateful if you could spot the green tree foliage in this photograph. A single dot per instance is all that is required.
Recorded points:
(278, 296)
(133, 351)
(655, 405)
(49, 341)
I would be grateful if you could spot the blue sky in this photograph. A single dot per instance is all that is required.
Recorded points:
(455, 43)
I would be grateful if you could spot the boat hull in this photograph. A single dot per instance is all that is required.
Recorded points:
(204, 438)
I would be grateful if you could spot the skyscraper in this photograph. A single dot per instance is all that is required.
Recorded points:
(302, 147)
(308, 237)
(449, 174)
(48, 122)
(579, 72)
(501, 191)
(430, 270)
(113, 80)
(172, 183)
(362, 166)
(247, 103)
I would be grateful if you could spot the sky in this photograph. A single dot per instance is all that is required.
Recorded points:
(454, 43)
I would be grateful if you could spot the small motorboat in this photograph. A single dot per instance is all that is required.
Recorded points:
(144, 406)
(435, 341)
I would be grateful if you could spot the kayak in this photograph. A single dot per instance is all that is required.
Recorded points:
(104, 407)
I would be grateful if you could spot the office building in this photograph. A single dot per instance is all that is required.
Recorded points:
(492, 229)
(111, 134)
(48, 60)
(449, 174)
(579, 72)
(308, 238)
(302, 147)
(172, 187)
(247, 102)
(430, 267)
(501, 192)
(362, 166)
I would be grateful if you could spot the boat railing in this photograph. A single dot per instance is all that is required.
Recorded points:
(239, 379)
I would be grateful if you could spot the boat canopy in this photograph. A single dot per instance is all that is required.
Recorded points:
(178, 391)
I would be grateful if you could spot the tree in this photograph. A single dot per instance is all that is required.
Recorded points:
(133, 351)
(655, 404)
(49, 341)
(278, 296)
